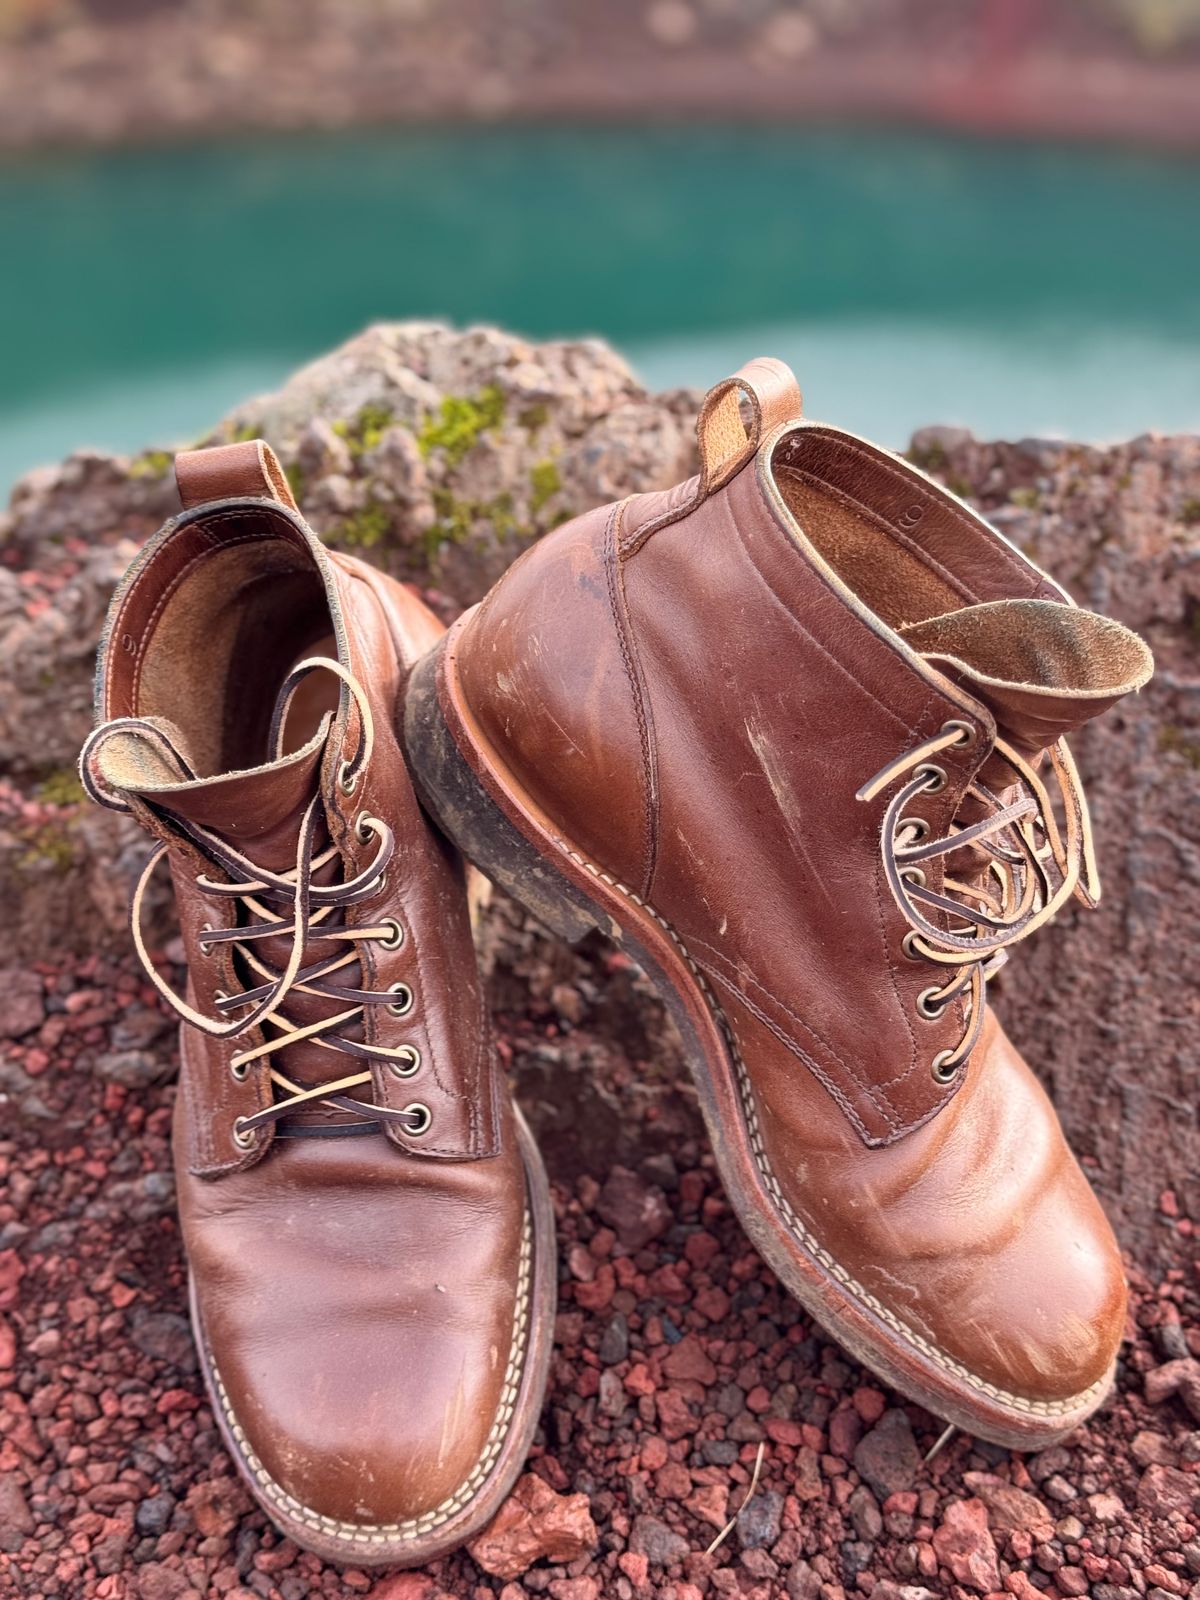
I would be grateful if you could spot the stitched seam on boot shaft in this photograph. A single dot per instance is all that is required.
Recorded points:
(717, 959)
(1041, 1408)
(618, 604)
(796, 1048)
(633, 542)
(384, 1533)
(469, 1095)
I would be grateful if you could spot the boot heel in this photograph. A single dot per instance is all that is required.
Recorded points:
(470, 818)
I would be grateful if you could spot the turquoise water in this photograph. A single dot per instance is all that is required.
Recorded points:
(1017, 289)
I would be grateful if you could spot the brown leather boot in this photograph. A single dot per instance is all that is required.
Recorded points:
(791, 734)
(366, 1218)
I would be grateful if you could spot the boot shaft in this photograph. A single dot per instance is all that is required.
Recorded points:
(698, 684)
(239, 763)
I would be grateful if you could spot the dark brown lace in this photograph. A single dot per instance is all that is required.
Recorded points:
(293, 906)
(1020, 870)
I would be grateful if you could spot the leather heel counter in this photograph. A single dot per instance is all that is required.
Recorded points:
(545, 670)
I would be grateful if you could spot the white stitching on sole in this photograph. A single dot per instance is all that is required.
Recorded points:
(385, 1533)
(1040, 1408)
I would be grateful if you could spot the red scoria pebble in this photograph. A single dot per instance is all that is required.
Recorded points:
(114, 1484)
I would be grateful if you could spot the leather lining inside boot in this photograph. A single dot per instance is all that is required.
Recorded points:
(261, 600)
(893, 581)
(953, 590)
(906, 547)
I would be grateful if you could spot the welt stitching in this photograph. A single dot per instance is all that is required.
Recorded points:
(714, 967)
(930, 494)
(617, 599)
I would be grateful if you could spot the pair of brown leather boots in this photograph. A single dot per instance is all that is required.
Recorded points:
(792, 735)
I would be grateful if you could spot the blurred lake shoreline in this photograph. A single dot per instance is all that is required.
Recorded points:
(116, 72)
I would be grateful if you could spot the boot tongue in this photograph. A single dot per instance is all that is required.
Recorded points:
(1042, 668)
(257, 811)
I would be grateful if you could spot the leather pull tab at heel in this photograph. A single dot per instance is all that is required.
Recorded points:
(249, 469)
(725, 442)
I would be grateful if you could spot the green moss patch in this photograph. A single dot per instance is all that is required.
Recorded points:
(460, 420)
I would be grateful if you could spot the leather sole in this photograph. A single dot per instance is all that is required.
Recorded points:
(443, 1528)
(477, 802)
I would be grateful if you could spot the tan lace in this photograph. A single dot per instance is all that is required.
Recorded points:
(1027, 871)
(309, 916)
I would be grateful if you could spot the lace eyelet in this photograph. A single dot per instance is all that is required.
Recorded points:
(407, 1066)
(239, 1071)
(423, 1115)
(364, 832)
(926, 1007)
(969, 733)
(347, 778)
(402, 1006)
(913, 875)
(944, 1068)
(244, 1138)
(395, 938)
(919, 825)
(935, 774)
(909, 948)
(203, 945)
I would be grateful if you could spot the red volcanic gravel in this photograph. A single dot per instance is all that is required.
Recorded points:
(678, 1358)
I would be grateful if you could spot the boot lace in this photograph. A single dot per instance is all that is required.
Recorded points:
(293, 906)
(1007, 870)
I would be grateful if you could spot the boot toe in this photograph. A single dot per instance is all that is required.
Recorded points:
(1042, 1321)
(1014, 1272)
(382, 1433)
(368, 1357)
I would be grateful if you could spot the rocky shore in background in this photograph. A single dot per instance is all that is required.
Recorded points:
(112, 71)
(440, 455)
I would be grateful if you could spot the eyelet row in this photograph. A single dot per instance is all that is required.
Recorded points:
(943, 1068)
(245, 1138)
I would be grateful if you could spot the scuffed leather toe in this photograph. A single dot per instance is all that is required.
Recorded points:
(1028, 1281)
(977, 1236)
(382, 1403)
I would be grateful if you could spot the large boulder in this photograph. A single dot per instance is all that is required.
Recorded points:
(440, 455)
